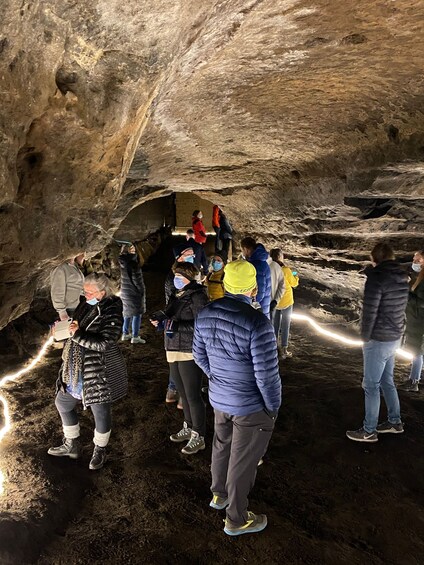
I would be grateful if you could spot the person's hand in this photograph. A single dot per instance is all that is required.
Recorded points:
(63, 316)
(273, 305)
(73, 327)
(154, 323)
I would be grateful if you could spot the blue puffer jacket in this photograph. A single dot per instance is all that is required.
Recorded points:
(235, 346)
(263, 277)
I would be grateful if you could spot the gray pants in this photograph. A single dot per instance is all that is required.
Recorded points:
(238, 444)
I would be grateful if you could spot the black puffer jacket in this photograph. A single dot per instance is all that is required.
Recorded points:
(169, 286)
(133, 291)
(414, 333)
(385, 298)
(104, 371)
(182, 310)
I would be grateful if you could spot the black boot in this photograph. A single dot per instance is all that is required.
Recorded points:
(70, 448)
(98, 459)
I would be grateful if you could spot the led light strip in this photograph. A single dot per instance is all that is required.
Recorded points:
(341, 337)
(13, 377)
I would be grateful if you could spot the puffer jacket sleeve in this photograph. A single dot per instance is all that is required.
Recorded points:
(265, 364)
(199, 351)
(372, 297)
(109, 331)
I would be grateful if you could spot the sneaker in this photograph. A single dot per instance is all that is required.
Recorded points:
(180, 404)
(137, 339)
(171, 395)
(182, 435)
(409, 386)
(362, 435)
(126, 337)
(389, 428)
(98, 458)
(285, 354)
(196, 443)
(255, 523)
(218, 502)
(70, 448)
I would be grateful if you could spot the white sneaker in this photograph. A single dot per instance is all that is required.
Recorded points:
(126, 337)
(137, 339)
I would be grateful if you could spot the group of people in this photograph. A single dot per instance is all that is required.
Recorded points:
(224, 320)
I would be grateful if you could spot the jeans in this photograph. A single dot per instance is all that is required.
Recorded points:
(379, 362)
(188, 378)
(416, 368)
(281, 320)
(136, 323)
(66, 403)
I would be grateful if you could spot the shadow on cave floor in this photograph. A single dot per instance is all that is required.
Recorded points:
(329, 501)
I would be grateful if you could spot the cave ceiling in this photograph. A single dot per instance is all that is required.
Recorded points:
(266, 107)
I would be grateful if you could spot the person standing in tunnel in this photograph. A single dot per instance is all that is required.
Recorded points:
(383, 321)
(200, 259)
(414, 332)
(178, 323)
(215, 279)
(234, 344)
(216, 227)
(133, 293)
(66, 286)
(198, 227)
(225, 235)
(93, 370)
(256, 254)
(277, 281)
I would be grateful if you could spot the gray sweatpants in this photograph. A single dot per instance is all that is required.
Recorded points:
(238, 444)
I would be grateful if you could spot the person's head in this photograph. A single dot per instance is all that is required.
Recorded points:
(184, 274)
(382, 252)
(189, 234)
(186, 256)
(276, 255)
(240, 278)
(96, 287)
(128, 248)
(248, 246)
(418, 261)
(198, 214)
(217, 262)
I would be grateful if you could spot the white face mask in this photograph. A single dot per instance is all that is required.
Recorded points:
(416, 267)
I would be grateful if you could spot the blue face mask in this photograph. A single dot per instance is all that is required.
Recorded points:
(92, 301)
(217, 265)
(179, 283)
(189, 259)
(416, 267)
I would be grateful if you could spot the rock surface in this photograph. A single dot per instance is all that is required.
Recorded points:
(269, 109)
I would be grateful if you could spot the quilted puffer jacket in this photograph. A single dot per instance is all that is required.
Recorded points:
(104, 371)
(414, 333)
(133, 292)
(235, 346)
(263, 277)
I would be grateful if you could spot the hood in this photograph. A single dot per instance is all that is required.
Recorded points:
(260, 254)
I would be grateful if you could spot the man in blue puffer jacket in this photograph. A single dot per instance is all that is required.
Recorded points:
(256, 254)
(235, 346)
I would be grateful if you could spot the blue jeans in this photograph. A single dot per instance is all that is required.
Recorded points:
(136, 323)
(281, 320)
(416, 368)
(379, 363)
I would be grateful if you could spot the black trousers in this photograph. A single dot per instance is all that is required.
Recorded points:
(238, 444)
(66, 404)
(188, 379)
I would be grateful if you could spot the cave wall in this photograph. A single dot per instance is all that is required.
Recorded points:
(270, 109)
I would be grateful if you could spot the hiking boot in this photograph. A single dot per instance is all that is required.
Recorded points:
(196, 443)
(409, 386)
(70, 448)
(182, 435)
(126, 337)
(362, 435)
(389, 428)
(137, 339)
(98, 458)
(219, 502)
(255, 523)
(171, 395)
(180, 404)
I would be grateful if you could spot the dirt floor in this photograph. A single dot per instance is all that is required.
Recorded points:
(328, 500)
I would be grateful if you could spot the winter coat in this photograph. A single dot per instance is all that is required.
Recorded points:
(199, 231)
(414, 332)
(67, 282)
(291, 281)
(104, 372)
(182, 309)
(215, 217)
(200, 259)
(215, 285)
(133, 291)
(235, 346)
(263, 277)
(385, 298)
(277, 280)
(226, 231)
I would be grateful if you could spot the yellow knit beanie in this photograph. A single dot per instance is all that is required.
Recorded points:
(240, 277)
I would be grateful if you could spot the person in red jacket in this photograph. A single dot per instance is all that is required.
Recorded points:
(198, 227)
(216, 224)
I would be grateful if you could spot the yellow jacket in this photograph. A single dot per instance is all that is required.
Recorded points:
(215, 285)
(291, 282)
